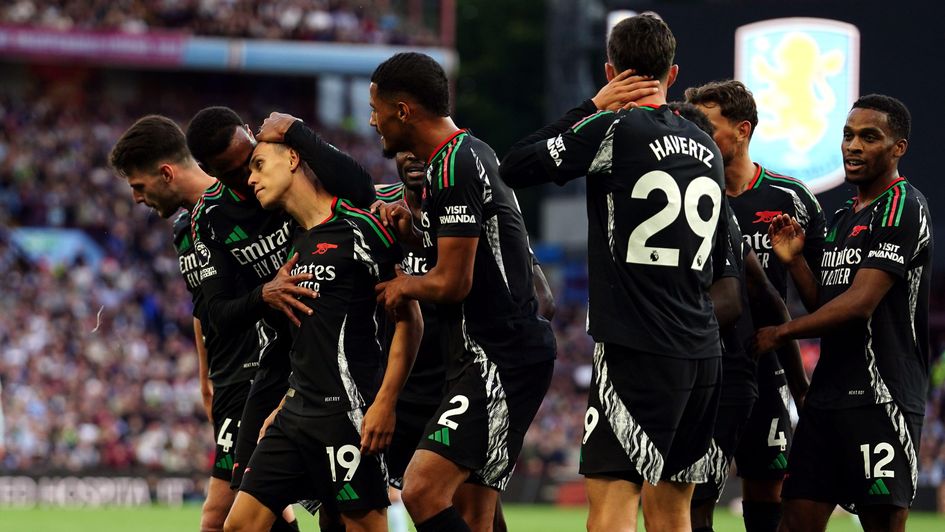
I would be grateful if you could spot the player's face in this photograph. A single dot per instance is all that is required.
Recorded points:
(386, 121)
(232, 166)
(870, 151)
(154, 191)
(726, 133)
(412, 171)
(270, 174)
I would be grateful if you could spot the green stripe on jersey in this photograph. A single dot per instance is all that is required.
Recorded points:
(390, 192)
(447, 160)
(375, 224)
(588, 119)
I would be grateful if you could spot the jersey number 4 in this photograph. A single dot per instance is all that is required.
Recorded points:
(637, 250)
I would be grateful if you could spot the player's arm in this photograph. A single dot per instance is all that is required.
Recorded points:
(337, 171)
(787, 242)
(458, 207)
(560, 158)
(447, 282)
(206, 388)
(378, 425)
(726, 300)
(269, 419)
(564, 149)
(768, 309)
(725, 290)
(857, 303)
(228, 308)
(814, 235)
(546, 300)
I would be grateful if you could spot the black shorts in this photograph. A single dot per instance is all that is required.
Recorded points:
(316, 457)
(729, 425)
(268, 389)
(649, 417)
(412, 419)
(481, 423)
(227, 410)
(855, 457)
(762, 453)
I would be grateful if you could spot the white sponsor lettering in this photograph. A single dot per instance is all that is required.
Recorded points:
(555, 147)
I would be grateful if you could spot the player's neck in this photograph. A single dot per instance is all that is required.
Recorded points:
(412, 198)
(866, 193)
(739, 172)
(432, 136)
(195, 181)
(308, 204)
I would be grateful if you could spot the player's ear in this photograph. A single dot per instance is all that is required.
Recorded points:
(610, 72)
(900, 148)
(167, 173)
(249, 131)
(673, 72)
(294, 159)
(744, 129)
(403, 111)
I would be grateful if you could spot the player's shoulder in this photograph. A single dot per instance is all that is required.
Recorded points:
(900, 203)
(777, 181)
(460, 157)
(364, 222)
(389, 193)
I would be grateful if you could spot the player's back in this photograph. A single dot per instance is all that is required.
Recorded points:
(654, 194)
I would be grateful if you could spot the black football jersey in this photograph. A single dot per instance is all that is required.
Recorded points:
(886, 358)
(769, 194)
(655, 207)
(464, 197)
(240, 246)
(335, 353)
(428, 376)
(230, 357)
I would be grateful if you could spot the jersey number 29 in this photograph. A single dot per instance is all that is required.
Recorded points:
(637, 250)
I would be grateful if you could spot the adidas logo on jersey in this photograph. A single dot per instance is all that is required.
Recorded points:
(347, 493)
(236, 235)
(879, 488)
(441, 436)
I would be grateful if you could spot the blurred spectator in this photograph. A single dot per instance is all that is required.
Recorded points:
(365, 21)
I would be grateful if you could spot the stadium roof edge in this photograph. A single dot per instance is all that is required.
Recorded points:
(181, 51)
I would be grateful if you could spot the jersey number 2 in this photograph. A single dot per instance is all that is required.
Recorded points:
(637, 250)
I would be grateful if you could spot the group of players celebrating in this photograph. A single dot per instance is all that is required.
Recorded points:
(354, 338)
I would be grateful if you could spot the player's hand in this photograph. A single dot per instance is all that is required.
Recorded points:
(787, 238)
(624, 90)
(274, 128)
(377, 429)
(391, 294)
(266, 423)
(767, 339)
(282, 292)
(398, 217)
(376, 207)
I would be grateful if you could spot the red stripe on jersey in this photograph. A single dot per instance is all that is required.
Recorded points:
(444, 143)
(754, 180)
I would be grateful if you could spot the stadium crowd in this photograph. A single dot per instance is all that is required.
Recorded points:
(97, 364)
(320, 20)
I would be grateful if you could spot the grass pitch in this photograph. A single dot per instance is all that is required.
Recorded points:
(520, 518)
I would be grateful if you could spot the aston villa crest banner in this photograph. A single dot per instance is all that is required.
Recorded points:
(804, 73)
